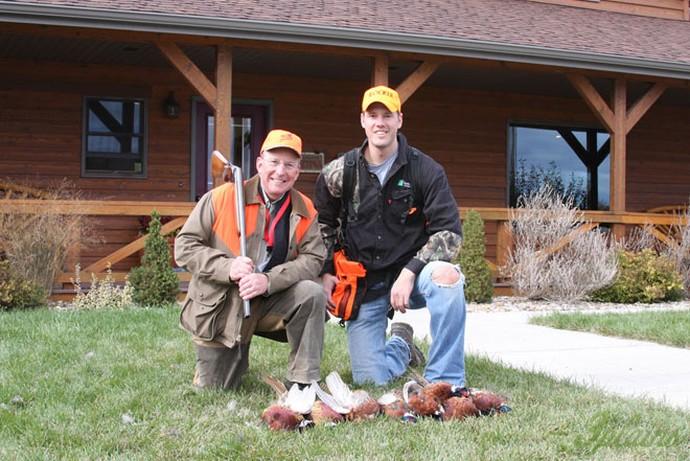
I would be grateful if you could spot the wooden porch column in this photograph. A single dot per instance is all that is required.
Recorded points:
(217, 96)
(222, 135)
(618, 153)
(618, 121)
(379, 70)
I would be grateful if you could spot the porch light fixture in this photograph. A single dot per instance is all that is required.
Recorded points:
(171, 106)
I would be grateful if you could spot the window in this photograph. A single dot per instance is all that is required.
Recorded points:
(574, 161)
(114, 137)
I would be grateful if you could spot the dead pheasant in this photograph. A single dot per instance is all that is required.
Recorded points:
(421, 403)
(354, 405)
(393, 405)
(458, 408)
(287, 413)
(437, 399)
(324, 414)
(426, 399)
(488, 403)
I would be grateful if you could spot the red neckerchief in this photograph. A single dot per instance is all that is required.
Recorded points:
(269, 230)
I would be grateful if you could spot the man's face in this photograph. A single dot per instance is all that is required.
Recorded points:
(278, 170)
(381, 125)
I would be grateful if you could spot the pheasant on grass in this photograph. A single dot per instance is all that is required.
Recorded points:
(287, 413)
(447, 401)
(488, 403)
(458, 408)
(426, 399)
(393, 405)
(323, 414)
(354, 405)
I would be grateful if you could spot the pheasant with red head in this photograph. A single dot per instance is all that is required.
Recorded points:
(287, 413)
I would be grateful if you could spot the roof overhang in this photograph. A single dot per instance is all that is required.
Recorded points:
(70, 16)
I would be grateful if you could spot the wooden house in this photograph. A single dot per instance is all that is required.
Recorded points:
(127, 99)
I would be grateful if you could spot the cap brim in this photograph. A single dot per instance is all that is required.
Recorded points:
(387, 105)
(283, 146)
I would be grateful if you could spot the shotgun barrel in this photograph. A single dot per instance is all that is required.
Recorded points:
(239, 209)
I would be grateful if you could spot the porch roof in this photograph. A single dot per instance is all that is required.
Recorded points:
(506, 30)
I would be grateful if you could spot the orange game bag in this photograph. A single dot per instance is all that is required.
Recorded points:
(350, 288)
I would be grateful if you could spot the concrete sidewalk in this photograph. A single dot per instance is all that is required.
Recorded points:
(621, 366)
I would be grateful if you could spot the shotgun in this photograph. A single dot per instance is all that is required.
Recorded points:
(239, 208)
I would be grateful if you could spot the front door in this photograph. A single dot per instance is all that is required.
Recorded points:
(249, 128)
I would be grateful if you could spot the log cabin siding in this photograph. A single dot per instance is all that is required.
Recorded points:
(466, 131)
(658, 164)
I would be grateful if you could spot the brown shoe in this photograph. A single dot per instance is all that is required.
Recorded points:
(406, 333)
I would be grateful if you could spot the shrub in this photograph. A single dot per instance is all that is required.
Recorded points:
(643, 277)
(154, 282)
(16, 292)
(478, 285)
(551, 258)
(678, 248)
(103, 294)
(37, 244)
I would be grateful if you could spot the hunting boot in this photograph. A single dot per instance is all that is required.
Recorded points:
(405, 332)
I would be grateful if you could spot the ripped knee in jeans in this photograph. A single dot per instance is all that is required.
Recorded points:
(446, 275)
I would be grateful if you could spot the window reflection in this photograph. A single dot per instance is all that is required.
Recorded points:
(114, 136)
(573, 161)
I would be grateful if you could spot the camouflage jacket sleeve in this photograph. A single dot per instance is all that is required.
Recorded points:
(441, 246)
(328, 201)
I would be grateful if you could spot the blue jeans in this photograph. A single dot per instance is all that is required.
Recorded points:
(375, 359)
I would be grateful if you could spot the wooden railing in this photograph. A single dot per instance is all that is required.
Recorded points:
(494, 218)
(658, 224)
(177, 210)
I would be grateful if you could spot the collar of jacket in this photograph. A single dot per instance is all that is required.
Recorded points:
(252, 196)
(403, 150)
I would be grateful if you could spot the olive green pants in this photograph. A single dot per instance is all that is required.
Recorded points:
(295, 315)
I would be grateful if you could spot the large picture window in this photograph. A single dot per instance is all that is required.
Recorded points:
(573, 161)
(114, 137)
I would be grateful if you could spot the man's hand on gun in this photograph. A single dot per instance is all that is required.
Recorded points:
(251, 284)
(240, 267)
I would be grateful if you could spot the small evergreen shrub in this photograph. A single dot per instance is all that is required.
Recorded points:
(17, 292)
(154, 282)
(103, 294)
(643, 277)
(478, 285)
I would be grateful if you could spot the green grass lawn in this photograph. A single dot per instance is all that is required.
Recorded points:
(664, 327)
(67, 379)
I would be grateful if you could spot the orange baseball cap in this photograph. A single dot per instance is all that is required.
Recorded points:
(282, 138)
(386, 96)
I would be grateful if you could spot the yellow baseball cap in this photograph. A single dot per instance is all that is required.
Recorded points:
(386, 96)
(282, 138)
